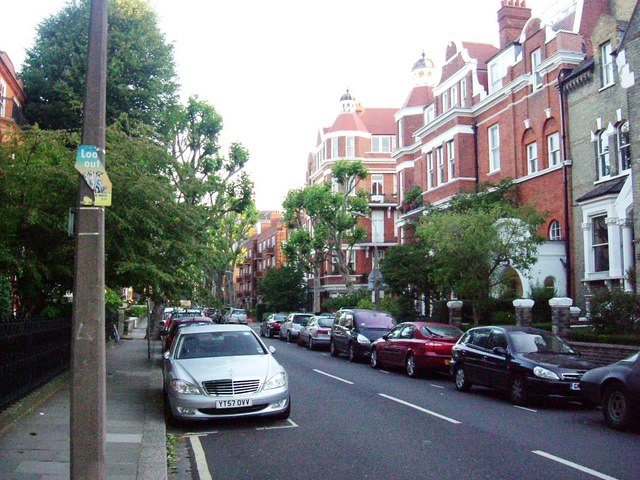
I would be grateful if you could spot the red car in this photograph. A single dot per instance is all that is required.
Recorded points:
(179, 323)
(416, 346)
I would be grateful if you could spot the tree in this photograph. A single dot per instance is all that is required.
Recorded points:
(283, 289)
(140, 68)
(470, 246)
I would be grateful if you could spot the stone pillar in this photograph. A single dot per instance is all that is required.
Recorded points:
(455, 313)
(575, 313)
(523, 308)
(560, 315)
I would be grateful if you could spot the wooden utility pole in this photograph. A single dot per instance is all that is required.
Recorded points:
(88, 371)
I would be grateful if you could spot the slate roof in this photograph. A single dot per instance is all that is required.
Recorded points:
(612, 187)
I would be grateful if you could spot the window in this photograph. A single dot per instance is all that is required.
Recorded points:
(536, 59)
(334, 148)
(604, 163)
(377, 185)
(451, 159)
(351, 148)
(445, 101)
(3, 94)
(463, 92)
(429, 115)
(495, 81)
(335, 186)
(454, 95)
(600, 244)
(606, 64)
(382, 143)
(377, 226)
(624, 148)
(555, 230)
(494, 149)
(532, 157)
(351, 261)
(401, 132)
(553, 147)
(395, 185)
(440, 161)
(430, 173)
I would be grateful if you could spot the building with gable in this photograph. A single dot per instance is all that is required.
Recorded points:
(368, 135)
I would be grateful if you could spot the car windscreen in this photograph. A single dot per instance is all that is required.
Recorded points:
(238, 312)
(376, 320)
(325, 322)
(301, 319)
(441, 331)
(218, 344)
(527, 342)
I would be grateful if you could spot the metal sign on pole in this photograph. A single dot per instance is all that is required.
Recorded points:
(88, 369)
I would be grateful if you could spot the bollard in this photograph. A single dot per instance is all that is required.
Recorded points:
(523, 308)
(455, 313)
(560, 315)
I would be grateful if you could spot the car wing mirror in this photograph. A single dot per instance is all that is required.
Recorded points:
(385, 337)
(166, 355)
(500, 351)
(272, 349)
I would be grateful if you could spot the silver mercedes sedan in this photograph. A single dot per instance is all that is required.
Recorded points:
(220, 371)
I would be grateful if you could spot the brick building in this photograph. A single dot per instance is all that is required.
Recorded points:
(495, 114)
(368, 135)
(598, 126)
(12, 97)
(263, 251)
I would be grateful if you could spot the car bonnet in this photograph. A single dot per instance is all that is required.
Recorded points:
(244, 367)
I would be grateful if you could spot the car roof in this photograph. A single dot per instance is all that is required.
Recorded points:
(213, 327)
(515, 328)
(427, 324)
(194, 318)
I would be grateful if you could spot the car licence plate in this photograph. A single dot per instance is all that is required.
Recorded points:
(234, 403)
(574, 386)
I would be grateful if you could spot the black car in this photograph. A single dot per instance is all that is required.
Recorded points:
(617, 388)
(523, 361)
(355, 329)
(271, 325)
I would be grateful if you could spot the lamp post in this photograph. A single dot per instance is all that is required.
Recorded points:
(375, 277)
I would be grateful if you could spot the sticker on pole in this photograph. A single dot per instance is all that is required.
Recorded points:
(91, 168)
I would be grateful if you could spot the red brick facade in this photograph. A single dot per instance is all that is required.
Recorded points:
(12, 97)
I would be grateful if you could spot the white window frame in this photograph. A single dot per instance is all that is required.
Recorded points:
(495, 79)
(377, 226)
(453, 96)
(555, 230)
(377, 184)
(335, 152)
(350, 147)
(494, 148)
(382, 143)
(536, 60)
(3, 97)
(596, 246)
(532, 157)
(623, 144)
(429, 115)
(451, 159)
(445, 101)
(463, 92)
(440, 163)
(606, 65)
(553, 148)
(430, 173)
(604, 155)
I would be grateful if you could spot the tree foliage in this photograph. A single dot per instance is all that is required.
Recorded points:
(282, 289)
(141, 79)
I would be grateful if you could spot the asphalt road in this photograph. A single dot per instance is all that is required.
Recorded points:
(350, 421)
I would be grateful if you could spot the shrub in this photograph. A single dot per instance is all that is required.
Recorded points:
(615, 312)
(349, 300)
(504, 318)
(137, 311)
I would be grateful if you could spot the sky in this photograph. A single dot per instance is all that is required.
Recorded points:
(276, 70)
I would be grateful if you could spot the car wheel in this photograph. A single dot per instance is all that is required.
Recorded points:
(411, 368)
(518, 391)
(353, 356)
(289, 336)
(261, 332)
(374, 359)
(333, 350)
(461, 381)
(311, 345)
(617, 407)
(280, 335)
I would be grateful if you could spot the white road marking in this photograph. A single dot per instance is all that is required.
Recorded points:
(292, 424)
(325, 354)
(525, 408)
(331, 376)
(424, 410)
(573, 465)
(436, 386)
(201, 461)
(383, 371)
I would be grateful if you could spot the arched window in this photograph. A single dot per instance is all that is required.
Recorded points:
(550, 282)
(555, 230)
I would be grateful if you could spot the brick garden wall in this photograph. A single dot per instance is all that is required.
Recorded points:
(604, 354)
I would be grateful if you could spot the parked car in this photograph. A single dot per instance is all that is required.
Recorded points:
(235, 315)
(354, 330)
(271, 325)
(168, 337)
(178, 313)
(292, 325)
(219, 371)
(617, 388)
(523, 361)
(316, 333)
(416, 346)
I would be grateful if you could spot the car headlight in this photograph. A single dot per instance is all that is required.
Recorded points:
(277, 381)
(544, 373)
(362, 339)
(186, 388)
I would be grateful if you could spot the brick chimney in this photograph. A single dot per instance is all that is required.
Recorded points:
(512, 17)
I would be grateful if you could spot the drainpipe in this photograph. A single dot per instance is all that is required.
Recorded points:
(565, 179)
(476, 165)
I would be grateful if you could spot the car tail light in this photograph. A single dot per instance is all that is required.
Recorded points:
(276, 324)
(323, 332)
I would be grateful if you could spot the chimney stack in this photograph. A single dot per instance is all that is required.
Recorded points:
(512, 17)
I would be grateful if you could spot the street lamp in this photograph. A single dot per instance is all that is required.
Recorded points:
(375, 277)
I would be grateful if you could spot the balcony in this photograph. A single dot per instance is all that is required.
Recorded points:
(269, 251)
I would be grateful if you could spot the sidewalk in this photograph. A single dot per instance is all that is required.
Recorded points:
(34, 441)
